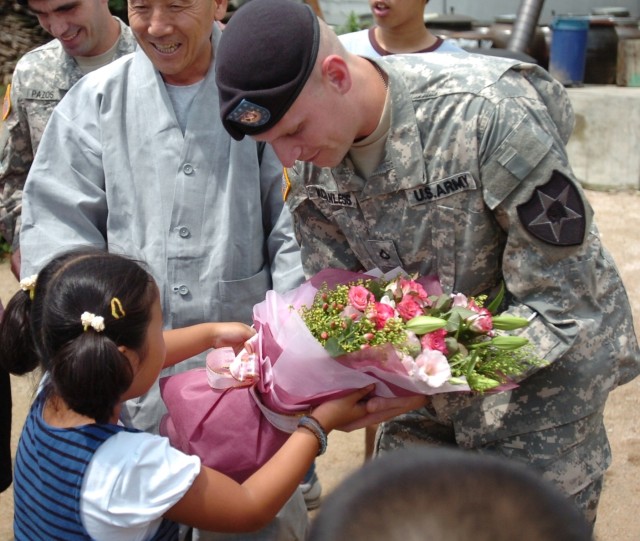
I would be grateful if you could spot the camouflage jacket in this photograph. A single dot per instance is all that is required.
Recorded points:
(475, 186)
(40, 80)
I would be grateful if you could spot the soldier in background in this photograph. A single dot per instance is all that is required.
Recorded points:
(452, 165)
(87, 37)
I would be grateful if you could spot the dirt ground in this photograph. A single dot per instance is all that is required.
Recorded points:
(618, 520)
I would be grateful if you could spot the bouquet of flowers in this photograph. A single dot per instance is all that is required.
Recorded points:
(438, 338)
(337, 332)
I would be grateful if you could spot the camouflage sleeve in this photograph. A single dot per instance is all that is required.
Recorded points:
(322, 243)
(16, 156)
(554, 264)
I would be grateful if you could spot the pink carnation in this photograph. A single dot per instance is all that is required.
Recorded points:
(359, 297)
(381, 313)
(482, 322)
(413, 288)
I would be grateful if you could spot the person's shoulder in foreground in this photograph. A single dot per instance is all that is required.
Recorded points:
(461, 496)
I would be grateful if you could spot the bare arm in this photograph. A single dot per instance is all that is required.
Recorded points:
(189, 341)
(216, 502)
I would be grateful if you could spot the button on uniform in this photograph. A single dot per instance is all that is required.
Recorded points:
(188, 169)
(181, 289)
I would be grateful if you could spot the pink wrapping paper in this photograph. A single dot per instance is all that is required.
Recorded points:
(233, 428)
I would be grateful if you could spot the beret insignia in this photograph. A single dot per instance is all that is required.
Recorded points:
(555, 213)
(249, 114)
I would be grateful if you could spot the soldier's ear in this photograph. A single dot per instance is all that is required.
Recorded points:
(336, 72)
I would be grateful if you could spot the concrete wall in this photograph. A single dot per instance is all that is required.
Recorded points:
(337, 11)
(603, 149)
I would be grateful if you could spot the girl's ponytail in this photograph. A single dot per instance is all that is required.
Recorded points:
(17, 350)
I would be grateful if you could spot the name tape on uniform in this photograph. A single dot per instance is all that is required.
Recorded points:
(341, 199)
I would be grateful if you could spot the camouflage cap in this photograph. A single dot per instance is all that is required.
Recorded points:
(265, 56)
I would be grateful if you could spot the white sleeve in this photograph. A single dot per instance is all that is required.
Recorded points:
(131, 481)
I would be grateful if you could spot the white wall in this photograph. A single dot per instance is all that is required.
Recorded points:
(336, 12)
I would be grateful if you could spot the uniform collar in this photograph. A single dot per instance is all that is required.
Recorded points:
(403, 165)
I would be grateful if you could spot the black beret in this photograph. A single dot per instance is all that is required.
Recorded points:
(264, 58)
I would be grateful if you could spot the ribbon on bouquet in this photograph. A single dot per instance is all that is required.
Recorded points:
(226, 370)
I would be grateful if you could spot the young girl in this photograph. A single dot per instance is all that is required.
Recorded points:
(93, 322)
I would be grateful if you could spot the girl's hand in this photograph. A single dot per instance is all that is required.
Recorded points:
(231, 334)
(382, 409)
(189, 341)
(343, 411)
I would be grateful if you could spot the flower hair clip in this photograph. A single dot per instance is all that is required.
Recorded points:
(91, 320)
(28, 284)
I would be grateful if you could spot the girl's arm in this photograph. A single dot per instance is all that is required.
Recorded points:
(189, 341)
(217, 502)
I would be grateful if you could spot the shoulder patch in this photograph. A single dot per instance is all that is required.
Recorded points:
(555, 214)
(6, 103)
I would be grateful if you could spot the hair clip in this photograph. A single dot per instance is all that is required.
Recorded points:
(116, 308)
(28, 284)
(91, 320)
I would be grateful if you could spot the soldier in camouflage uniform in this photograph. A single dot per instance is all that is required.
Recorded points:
(452, 165)
(87, 37)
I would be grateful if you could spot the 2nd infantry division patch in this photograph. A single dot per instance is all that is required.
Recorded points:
(555, 213)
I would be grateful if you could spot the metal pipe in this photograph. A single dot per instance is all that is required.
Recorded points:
(524, 27)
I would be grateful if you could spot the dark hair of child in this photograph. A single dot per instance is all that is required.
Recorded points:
(41, 327)
(447, 494)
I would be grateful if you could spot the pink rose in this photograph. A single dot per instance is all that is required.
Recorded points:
(381, 313)
(408, 308)
(434, 341)
(359, 297)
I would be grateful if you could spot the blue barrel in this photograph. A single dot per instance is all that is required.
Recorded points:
(568, 52)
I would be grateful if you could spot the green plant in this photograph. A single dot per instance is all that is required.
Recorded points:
(5, 247)
(119, 9)
(352, 25)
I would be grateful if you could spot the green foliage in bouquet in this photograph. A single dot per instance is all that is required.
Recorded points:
(469, 336)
